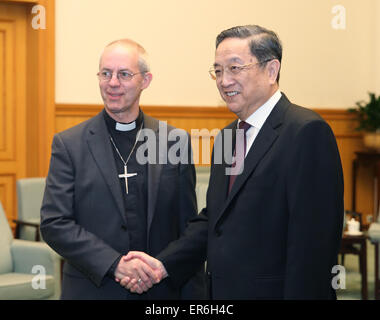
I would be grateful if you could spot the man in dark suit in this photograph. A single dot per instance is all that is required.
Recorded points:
(273, 231)
(102, 200)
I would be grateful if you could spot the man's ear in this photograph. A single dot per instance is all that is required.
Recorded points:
(273, 68)
(147, 79)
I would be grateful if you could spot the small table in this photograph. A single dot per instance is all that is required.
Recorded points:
(347, 248)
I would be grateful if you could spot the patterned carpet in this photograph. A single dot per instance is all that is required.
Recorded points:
(353, 276)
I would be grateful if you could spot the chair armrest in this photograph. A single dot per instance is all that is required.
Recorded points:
(27, 254)
(26, 223)
(374, 232)
(20, 223)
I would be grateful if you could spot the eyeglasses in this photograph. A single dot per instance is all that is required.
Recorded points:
(122, 75)
(232, 69)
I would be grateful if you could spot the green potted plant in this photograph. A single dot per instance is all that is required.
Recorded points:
(368, 116)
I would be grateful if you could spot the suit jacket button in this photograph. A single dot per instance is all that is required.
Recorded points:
(124, 227)
(218, 232)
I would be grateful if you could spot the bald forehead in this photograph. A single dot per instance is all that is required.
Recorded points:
(127, 43)
(122, 51)
(128, 49)
(121, 48)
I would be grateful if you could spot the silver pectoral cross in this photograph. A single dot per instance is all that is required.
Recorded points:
(126, 175)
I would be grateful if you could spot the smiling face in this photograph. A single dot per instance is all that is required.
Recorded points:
(246, 91)
(121, 98)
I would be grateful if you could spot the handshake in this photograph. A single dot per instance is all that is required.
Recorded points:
(138, 272)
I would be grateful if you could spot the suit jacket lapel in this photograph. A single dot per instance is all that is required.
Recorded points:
(262, 144)
(100, 148)
(222, 160)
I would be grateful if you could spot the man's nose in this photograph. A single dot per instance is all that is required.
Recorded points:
(114, 81)
(226, 79)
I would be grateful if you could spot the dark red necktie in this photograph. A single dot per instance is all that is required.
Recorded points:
(239, 160)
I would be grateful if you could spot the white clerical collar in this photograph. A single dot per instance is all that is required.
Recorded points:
(125, 126)
(258, 118)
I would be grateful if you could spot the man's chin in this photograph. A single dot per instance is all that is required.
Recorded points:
(233, 107)
(115, 108)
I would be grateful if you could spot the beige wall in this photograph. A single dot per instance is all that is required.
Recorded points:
(322, 67)
(377, 44)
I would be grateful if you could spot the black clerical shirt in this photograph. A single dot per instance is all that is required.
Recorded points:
(135, 202)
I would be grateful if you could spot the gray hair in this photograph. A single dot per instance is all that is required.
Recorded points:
(264, 44)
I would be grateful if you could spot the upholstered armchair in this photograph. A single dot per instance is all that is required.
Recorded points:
(30, 192)
(28, 269)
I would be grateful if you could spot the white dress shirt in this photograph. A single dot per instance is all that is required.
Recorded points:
(257, 119)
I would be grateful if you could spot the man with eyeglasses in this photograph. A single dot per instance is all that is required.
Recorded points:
(101, 201)
(273, 231)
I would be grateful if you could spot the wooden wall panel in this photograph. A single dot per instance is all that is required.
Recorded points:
(67, 116)
(350, 141)
(189, 118)
(27, 101)
(7, 47)
(3, 119)
(7, 196)
(40, 88)
(13, 158)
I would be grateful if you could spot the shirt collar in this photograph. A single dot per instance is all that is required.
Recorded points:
(258, 118)
(114, 126)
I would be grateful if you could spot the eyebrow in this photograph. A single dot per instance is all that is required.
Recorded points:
(231, 60)
(120, 70)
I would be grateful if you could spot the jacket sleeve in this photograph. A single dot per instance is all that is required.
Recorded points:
(81, 248)
(184, 258)
(315, 200)
(195, 287)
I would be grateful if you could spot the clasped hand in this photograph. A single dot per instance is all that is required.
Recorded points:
(138, 272)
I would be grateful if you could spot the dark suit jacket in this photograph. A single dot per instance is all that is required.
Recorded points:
(277, 234)
(83, 216)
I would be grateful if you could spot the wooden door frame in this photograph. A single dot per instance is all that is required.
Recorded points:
(40, 88)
